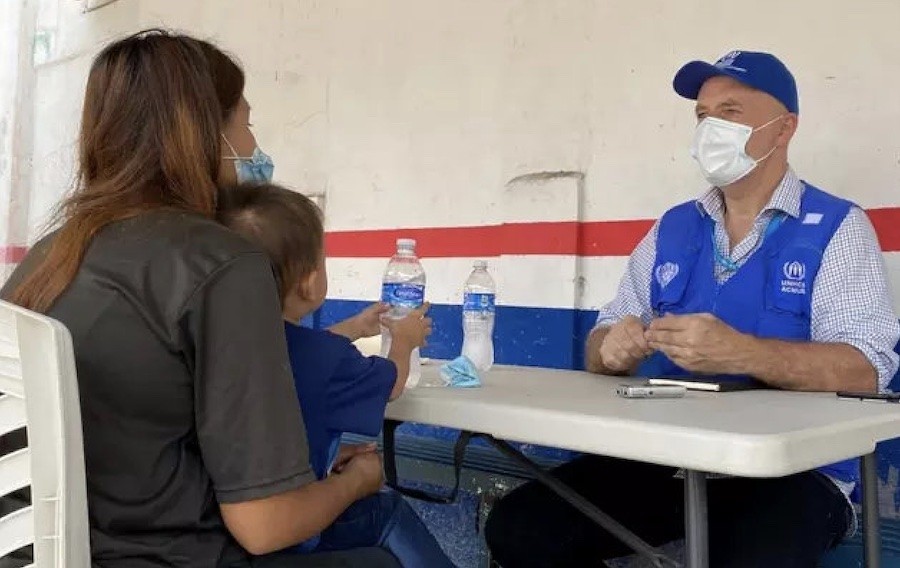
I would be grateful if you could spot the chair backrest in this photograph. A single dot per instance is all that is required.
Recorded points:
(40, 391)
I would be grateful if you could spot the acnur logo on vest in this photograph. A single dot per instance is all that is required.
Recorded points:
(794, 278)
(665, 273)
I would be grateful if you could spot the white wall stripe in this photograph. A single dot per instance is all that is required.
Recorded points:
(529, 281)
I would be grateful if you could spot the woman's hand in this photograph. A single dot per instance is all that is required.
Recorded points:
(366, 471)
(348, 451)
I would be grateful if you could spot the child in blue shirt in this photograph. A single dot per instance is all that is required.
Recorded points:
(339, 389)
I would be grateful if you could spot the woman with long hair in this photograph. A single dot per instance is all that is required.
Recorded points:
(386, 519)
(194, 447)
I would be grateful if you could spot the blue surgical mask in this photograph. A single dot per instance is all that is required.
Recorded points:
(258, 168)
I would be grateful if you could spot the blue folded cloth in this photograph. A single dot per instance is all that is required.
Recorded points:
(460, 372)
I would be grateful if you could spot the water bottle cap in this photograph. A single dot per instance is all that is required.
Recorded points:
(482, 264)
(406, 243)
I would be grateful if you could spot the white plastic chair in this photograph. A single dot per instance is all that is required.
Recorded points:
(40, 391)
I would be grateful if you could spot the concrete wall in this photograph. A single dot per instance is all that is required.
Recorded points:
(16, 87)
(419, 113)
(509, 115)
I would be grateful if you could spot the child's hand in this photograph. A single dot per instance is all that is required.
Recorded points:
(366, 323)
(412, 330)
(348, 451)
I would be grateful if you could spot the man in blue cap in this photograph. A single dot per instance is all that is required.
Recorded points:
(764, 277)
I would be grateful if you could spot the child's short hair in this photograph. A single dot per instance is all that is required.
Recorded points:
(287, 225)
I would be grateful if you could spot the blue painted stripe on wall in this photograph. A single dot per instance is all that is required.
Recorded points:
(534, 337)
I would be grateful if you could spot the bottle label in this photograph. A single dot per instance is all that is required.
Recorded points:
(482, 303)
(403, 295)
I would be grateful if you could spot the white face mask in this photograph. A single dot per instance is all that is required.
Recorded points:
(720, 149)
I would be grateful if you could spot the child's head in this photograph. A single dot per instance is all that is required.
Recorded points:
(288, 226)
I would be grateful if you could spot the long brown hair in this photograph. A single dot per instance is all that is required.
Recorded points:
(149, 139)
(227, 76)
(285, 224)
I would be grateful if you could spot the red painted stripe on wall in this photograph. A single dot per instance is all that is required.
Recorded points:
(887, 227)
(12, 254)
(612, 238)
(596, 238)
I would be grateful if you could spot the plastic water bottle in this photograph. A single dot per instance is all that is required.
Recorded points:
(403, 289)
(479, 298)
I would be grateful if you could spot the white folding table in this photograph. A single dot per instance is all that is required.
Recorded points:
(762, 433)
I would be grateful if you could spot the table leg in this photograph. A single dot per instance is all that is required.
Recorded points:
(589, 509)
(870, 520)
(695, 520)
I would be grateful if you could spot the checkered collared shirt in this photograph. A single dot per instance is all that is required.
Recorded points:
(851, 302)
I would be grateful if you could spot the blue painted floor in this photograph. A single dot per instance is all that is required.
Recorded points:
(455, 527)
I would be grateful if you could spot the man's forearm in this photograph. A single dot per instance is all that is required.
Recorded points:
(807, 366)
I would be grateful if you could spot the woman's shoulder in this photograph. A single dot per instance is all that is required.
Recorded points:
(173, 252)
(167, 236)
(186, 232)
(35, 253)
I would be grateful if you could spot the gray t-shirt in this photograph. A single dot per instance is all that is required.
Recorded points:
(187, 398)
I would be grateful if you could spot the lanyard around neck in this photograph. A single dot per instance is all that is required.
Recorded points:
(731, 266)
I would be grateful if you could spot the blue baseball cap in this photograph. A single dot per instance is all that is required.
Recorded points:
(761, 71)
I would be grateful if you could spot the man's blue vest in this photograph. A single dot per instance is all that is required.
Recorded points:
(770, 295)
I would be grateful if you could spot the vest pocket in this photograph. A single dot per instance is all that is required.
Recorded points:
(778, 324)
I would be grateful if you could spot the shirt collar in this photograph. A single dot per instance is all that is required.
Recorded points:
(786, 198)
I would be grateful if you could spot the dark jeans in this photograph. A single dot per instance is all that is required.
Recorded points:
(385, 520)
(358, 558)
(780, 523)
